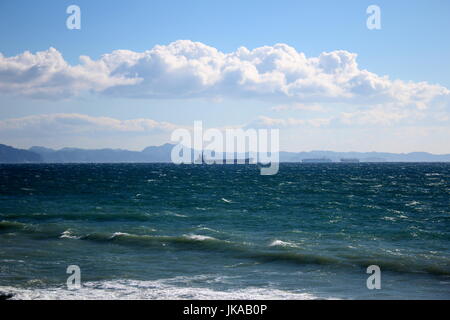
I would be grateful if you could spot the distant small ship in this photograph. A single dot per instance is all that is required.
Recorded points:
(321, 160)
(350, 160)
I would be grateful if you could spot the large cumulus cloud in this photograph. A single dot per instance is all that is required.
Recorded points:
(46, 74)
(186, 69)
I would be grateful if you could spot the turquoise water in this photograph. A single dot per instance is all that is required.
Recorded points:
(161, 231)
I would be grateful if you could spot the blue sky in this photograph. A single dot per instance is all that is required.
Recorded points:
(412, 46)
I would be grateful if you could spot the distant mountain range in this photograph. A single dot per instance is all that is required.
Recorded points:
(66, 155)
(12, 155)
(162, 154)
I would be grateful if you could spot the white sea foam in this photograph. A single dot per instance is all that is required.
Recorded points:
(171, 213)
(151, 290)
(165, 213)
(68, 235)
(412, 203)
(208, 229)
(280, 243)
(12, 260)
(119, 234)
(198, 237)
(179, 215)
(433, 174)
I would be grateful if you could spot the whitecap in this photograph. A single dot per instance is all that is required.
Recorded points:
(163, 289)
(171, 213)
(208, 229)
(412, 203)
(119, 234)
(68, 235)
(199, 237)
(280, 243)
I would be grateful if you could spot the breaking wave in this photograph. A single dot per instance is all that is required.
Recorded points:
(150, 290)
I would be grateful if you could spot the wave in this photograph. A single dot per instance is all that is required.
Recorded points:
(201, 228)
(27, 228)
(194, 240)
(149, 290)
(294, 257)
(68, 235)
(199, 237)
(95, 216)
(37, 231)
(6, 225)
(280, 243)
(403, 264)
(277, 251)
(239, 250)
(50, 231)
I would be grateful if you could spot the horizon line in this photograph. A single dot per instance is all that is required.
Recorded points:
(167, 143)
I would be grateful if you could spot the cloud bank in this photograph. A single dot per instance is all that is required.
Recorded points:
(74, 123)
(376, 117)
(79, 130)
(186, 69)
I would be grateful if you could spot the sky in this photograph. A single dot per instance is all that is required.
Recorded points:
(137, 70)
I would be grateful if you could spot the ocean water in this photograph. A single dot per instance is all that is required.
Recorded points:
(161, 231)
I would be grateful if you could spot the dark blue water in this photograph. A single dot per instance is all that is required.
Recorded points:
(161, 231)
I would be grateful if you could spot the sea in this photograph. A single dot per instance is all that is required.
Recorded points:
(166, 231)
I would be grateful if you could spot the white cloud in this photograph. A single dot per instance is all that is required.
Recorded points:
(268, 122)
(47, 75)
(379, 116)
(186, 69)
(359, 131)
(73, 123)
(300, 107)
